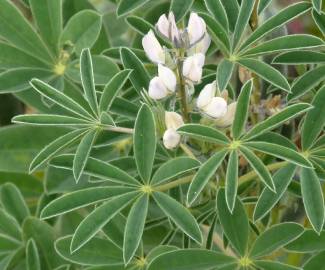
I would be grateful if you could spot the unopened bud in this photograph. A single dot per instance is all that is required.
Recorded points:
(171, 138)
(196, 28)
(153, 49)
(192, 67)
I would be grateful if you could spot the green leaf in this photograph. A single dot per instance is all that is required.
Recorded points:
(8, 244)
(217, 33)
(103, 68)
(314, 120)
(48, 18)
(306, 82)
(258, 167)
(59, 98)
(92, 253)
(44, 236)
(204, 133)
(280, 151)
(98, 169)
(271, 265)
(262, 5)
(16, 80)
(127, 6)
(224, 72)
(173, 169)
(216, 9)
(317, 4)
(79, 199)
(139, 24)
(145, 142)
(190, 259)
(139, 77)
(114, 54)
(274, 238)
(242, 108)
(281, 18)
(290, 42)
(299, 58)
(50, 120)
(315, 262)
(9, 226)
(308, 242)
(313, 199)
(268, 198)
(179, 215)
(277, 119)
(319, 19)
(232, 10)
(244, 15)
(13, 202)
(87, 79)
(82, 30)
(32, 257)
(15, 29)
(97, 219)
(204, 174)
(232, 221)
(112, 88)
(54, 147)
(266, 72)
(180, 8)
(83, 152)
(134, 227)
(12, 57)
(232, 180)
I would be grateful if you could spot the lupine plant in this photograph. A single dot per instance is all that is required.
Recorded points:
(163, 135)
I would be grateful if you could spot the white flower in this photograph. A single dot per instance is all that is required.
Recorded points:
(202, 46)
(228, 118)
(162, 85)
(192, 67)
(168, 28)
(173, 121)
(196, 28)
(211, 105)
(153, 49)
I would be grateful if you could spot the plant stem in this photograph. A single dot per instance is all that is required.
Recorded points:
(182, 91)
(244, 178)
(187, 151)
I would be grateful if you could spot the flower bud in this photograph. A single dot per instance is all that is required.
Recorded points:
(153, 49)
(196, 28)
(192, 67)
(206, 95)
(162, 85)
(228, 118)
(173, 120)
(216, 108)
(163, 26)
(171, 138)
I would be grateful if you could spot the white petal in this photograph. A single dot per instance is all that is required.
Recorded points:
(163, 25)
(228, 118)
(153, 49)
(173, 120)
(168, 77)
(203, 45)
(216, 108)
(199, 59)
(157, 89)
(171, 138)
(196, 28)
(174, 32)
(192, 67)
(206, 95)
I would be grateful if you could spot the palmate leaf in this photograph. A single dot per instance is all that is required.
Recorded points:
(277, 119)
(97, 219)
(51, 120)
(216, 9)
(8, 244)
(271, 265)
(190, 259)
(127, 6)
(145, 141)
(299, 58)
(274, 238)
(32, 256)
(140, 25)
(93, 253)
(313, 199)
(97, 168)
(180, 9)
(9, 225)
(232, 9)
(268, 198)
(262, 5)
(232, 180)
(134, 227)
(81, 198)
(224, 72)
(232, 221)
(179, 215)
(202, 177)
(319, 19)
(309, 242)
(315, 262)
(258, 167)
(317, 4)
(242, 107)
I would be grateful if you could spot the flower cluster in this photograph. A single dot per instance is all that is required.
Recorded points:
(180, 67)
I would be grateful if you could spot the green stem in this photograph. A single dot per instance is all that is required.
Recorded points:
(182, 91)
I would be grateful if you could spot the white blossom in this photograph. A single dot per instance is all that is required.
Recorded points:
(173, 121)
(196, 28)
(228, 118)
(192, 67)
(153, 49)
(168, 28)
